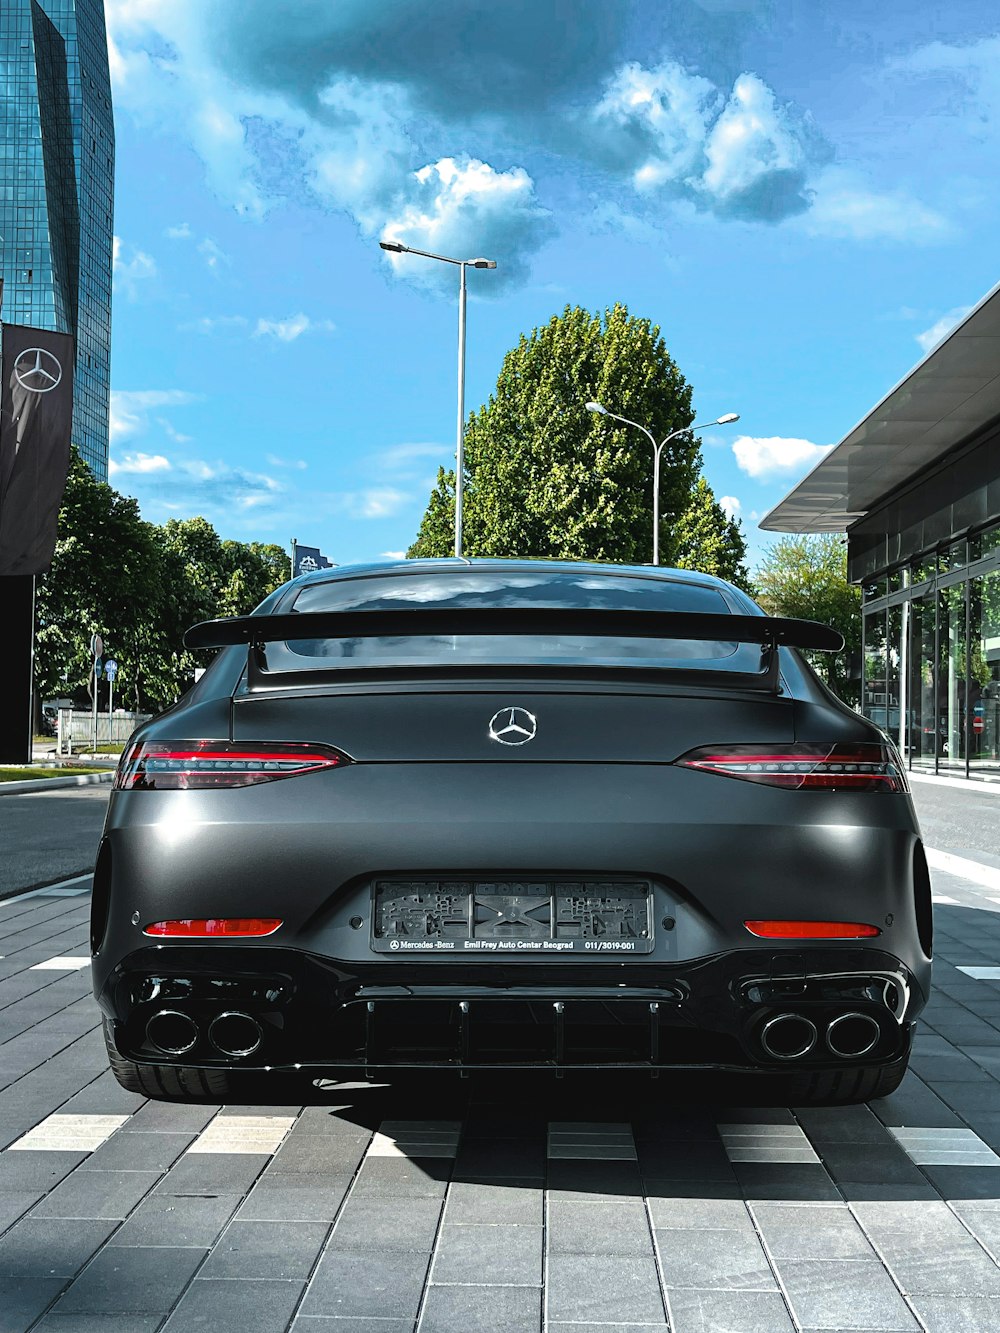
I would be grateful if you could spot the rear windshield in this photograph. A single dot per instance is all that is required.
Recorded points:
(484, 589)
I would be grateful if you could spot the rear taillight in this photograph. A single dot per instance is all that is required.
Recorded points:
(187, 765)
(862, 766)
(206, 928)
(811, 930)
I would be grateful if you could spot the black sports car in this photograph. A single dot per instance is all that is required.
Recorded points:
(466, 814)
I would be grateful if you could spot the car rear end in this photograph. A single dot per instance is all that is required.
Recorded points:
(464, 851)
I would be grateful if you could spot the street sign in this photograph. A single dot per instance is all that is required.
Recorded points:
(96, 645)
(978, 722)
(979, 708)
(111, 668)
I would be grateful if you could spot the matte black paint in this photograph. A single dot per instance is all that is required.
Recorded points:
(595, 794)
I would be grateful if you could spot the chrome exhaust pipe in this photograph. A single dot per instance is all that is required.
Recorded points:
(172, 1032)
(853, 1035)
(235, 1034)
(788, 1036)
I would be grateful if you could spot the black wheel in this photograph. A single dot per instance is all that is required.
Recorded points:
(171, 1083)
(182, 1083)
(848, 1085)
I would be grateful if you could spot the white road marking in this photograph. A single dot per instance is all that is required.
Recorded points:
(416, 1138)
(69, 1133)
(243, 1134)
(987, 876)
(766, 1143)
(982, 973)
(47, 888)
(591, 1141)
(62, 964)
(944, 1147)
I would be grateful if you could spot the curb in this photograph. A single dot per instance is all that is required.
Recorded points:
(50, 784)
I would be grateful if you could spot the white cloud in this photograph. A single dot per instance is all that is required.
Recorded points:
(730, 505)
(172, 432)
(845, 206)
(655, 122)
(137, 464)
(130, 408)
(298, 464)
(181, 232)
(455, 199)
(287, 330)
(754, 149)
(771, 456)
(130, 273)
(962, 79)
(399, 457)
(189, 486)
(932, 336)
(393, 555)
(739, 154)
(378, 502)
(210, 323)
(212, 253)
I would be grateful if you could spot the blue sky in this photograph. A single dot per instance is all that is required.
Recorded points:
(802, 195)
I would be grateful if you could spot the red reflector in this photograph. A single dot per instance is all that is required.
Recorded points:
(855, 766)
(811, 930)
(214, 926)
(187, 765)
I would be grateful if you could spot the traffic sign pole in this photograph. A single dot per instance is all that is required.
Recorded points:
(111, 670)
(96, 649)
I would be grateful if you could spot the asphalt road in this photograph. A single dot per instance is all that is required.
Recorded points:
(49, 835)
(963, 820)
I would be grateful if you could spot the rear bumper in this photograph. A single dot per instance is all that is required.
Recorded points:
(325, 1015)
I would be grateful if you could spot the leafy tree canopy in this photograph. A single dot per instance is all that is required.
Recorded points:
(140, 586)
(545, 477)
(707, 539)
(806, 578)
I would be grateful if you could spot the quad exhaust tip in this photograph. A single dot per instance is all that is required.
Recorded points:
(852, 1035)
(235, 1034)
(788, 1036)
(172, 1032)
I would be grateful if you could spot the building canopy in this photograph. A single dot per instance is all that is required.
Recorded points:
(949, 398)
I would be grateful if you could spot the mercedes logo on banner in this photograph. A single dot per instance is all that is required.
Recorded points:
(513, 726)
(37, 370)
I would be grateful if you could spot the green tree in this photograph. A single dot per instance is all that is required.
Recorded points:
(806, 578)
(707, 539)
(544, 477)
(106, 576)
(139, 586)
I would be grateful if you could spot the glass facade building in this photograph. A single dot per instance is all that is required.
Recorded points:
(916, 487)
(57, 143)
(932, 657)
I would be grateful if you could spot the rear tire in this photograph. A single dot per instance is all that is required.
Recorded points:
(847, 1086)
(182, 1083)
(170, 1083)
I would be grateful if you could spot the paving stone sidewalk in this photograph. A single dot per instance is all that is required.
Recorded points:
(587, 1206)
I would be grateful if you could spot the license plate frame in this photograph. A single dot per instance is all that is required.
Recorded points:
(534, 916)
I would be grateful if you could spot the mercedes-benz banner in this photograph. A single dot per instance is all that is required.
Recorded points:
(36, 414)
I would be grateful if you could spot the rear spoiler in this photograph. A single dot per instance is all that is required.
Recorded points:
(412, 621)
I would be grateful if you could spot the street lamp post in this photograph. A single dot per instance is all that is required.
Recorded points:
(397, 248)
(657, 452)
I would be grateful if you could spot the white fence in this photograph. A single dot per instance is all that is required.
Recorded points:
(76, 728)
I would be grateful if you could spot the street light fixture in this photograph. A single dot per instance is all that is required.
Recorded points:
(725, 420)
(398, 248)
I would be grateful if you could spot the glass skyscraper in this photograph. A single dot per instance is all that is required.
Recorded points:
(57, 163)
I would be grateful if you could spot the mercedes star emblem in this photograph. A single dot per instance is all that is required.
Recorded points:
(37, 370)
(513, 726)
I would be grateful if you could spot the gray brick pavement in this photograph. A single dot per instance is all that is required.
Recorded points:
(584, 1210)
